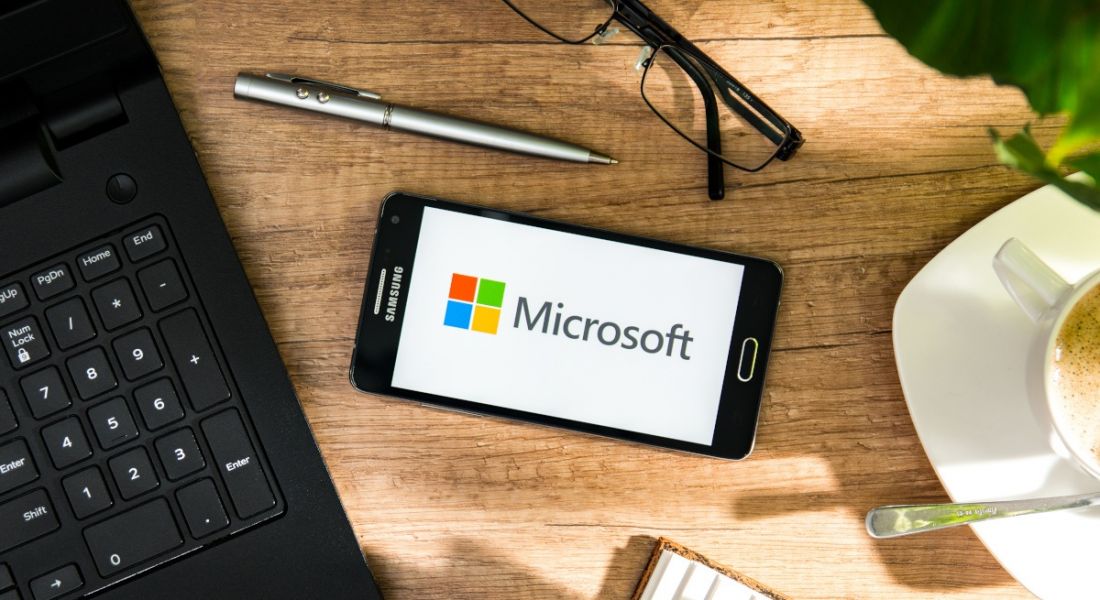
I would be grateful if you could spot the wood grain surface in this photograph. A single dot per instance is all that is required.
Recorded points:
(446, 506)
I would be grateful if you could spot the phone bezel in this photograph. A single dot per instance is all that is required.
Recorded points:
(375, 352)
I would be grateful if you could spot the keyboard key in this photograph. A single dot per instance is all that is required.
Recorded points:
(16, 467)
(98, 262)
(92, 373)
(7, 417)
(10, 595)
(144, 243)
(24, 342)
(162, 285)
(179, 454)
(237, 462)
(12, 299)
(133, 537)
(202, 508)
(70, 323)
(137, 354)
(133, 473)
(26, 518)
(6, 580)
(52, 281)
(191, 354)
(87, 493)
(45, 392)
(56, 583)
(158, 403)
(116, 304)
(112, 423)
(66, 443)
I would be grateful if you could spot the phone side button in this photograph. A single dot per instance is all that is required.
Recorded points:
(746, 365)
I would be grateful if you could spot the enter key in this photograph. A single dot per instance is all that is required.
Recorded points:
(238, 463)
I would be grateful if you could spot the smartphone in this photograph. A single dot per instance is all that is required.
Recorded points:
(509, 315)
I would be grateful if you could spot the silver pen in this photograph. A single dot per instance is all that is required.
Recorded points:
(342, 101)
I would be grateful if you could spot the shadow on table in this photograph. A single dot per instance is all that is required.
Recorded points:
(473, 569)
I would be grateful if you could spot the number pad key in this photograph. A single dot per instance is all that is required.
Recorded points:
(66, 442)
(116, 304)
(45, 392)
(133, 473)
(202, 508)
(112, 423)
(158, 403)
(92, 373)
(137, 354)
(179, 454)
(87, 493)
(70, 323)
(202, 378)
(132, 537)
(24, 342)
(162, 285)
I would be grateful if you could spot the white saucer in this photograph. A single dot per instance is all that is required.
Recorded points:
(960, 345)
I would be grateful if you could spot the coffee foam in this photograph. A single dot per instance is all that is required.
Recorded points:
(1075, 377)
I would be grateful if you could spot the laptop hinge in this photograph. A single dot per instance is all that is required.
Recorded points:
(27, 162)
(82, 111)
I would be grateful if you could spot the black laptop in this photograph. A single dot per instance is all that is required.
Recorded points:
(151, 445)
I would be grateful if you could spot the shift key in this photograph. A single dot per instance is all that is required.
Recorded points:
(238, 464)
(194, 359)
(25, 518)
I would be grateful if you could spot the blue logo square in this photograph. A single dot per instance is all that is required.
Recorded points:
(458, 314)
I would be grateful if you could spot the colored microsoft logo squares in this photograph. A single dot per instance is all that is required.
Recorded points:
(485, 319)
(490, 293)
(458, 314)
(474, 303)
(462, 287)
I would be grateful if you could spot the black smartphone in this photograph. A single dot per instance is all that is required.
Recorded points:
(504, 314)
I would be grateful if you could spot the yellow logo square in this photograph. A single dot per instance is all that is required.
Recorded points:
(485, 319)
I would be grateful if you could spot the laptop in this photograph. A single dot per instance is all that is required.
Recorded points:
(151, 444)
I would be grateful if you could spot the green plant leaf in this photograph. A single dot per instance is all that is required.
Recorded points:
(1022, 152)
(1090, 164)
(1050, 49)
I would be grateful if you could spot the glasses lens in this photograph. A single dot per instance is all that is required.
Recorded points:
(568, 20)
(683, 89)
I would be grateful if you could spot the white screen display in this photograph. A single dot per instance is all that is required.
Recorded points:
(567, 326)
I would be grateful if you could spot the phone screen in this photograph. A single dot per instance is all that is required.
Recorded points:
(568, 326)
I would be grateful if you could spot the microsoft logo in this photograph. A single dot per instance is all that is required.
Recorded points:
(474, 303)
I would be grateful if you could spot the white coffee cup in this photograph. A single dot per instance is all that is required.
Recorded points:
(1047, 299)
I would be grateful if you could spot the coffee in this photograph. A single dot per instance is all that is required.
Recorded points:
(1075, 376)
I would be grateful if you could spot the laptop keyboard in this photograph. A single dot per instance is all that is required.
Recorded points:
(123, 439)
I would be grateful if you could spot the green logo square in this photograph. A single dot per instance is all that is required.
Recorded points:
(490, 293)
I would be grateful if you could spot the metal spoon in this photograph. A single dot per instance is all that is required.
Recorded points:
(906, 519)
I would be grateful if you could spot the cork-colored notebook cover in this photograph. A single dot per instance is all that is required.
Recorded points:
(667, 544)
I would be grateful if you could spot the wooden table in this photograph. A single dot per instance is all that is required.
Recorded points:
(897, 164)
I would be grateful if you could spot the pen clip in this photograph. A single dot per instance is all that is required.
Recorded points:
(333, 87)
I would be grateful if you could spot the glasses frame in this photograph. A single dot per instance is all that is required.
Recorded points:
(661, 37)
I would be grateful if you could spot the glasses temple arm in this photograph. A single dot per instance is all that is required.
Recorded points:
(716, 178)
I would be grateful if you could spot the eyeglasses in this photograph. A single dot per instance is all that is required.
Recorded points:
(685, 88)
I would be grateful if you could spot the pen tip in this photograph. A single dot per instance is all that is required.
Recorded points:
(600, 159)
(614, 162)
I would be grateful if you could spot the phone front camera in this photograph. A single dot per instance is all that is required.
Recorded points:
(395, 219)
